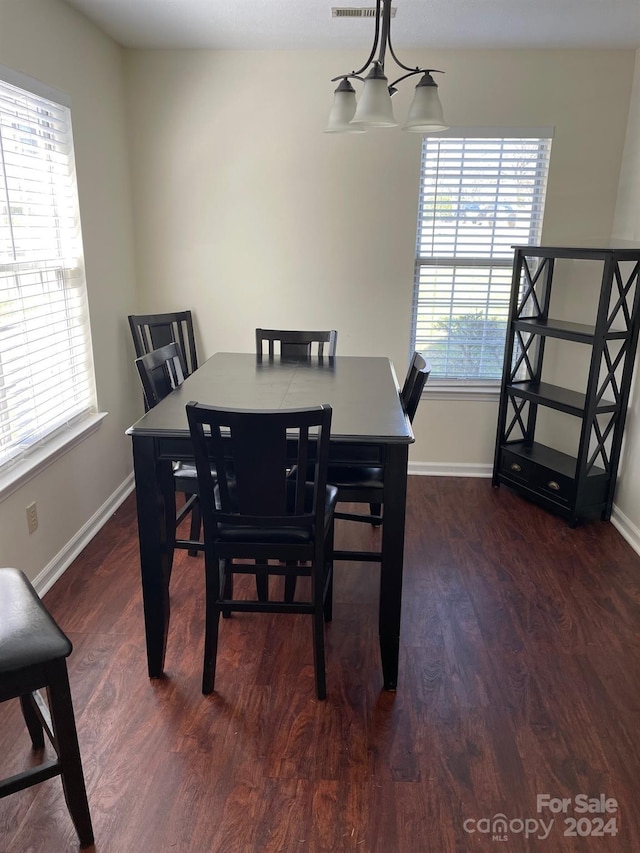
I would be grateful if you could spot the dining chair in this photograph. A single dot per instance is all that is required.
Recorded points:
(260, 519)
(152, 331)
(33, 652)
(359, 474)
(296, 343)
(160, 372)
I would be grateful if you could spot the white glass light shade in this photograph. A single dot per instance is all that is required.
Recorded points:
(374, 107)
(425, 113)
(342, 110)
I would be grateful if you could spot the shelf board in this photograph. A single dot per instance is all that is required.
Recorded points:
(564, 330)
(548, 457)
(555, 397)
(587, 249)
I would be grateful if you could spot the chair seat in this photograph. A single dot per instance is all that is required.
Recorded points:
(28, 634)
(186, 477)
(355, 477)
(278, 535)
(185, 471)
(229, 534)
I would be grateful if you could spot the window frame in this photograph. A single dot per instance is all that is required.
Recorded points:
(470, 388)
(35, 455)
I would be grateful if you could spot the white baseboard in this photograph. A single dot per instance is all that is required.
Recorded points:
(61, 562)
(626, 528)
(450, 469)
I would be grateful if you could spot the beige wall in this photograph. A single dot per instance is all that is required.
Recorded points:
(47, 40)
(245, 212)
(627, 226)
(251, 216)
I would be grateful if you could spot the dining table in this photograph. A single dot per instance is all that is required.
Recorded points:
(364, 395)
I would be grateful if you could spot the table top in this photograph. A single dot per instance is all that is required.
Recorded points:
(363, 392)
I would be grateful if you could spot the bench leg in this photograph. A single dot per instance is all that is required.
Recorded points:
(64, 729)
(32, 720)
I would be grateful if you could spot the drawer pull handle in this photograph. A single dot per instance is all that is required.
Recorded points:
(553, 485)
(515, 467)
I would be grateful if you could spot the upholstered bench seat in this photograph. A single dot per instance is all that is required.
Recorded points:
(33, 652)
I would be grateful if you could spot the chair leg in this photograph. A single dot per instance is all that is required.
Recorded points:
(196, 524)
(227, 587)
(328, 601)
(290, 584)
(318, 652)
(212, 622)
(328, 591)
(64, 728)
(262, 580)
(32, 720)
(319, 598)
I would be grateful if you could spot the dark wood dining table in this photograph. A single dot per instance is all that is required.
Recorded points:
(364, 395)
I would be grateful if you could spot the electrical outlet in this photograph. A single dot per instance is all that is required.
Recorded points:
(32, 517)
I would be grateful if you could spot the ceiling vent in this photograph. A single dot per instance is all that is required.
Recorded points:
(361, 12)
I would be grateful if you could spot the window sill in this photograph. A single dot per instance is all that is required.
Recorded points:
(26, 469)
(453, 391)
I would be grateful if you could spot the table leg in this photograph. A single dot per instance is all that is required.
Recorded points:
(395, 499)
(155, 501)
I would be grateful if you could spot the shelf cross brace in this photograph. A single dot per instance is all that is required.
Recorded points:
(624, 291)
(518, 406)
(529, 288)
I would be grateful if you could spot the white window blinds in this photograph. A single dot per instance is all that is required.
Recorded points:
(478, 197)
(46, 371)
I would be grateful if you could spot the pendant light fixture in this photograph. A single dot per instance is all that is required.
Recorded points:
(374, 108)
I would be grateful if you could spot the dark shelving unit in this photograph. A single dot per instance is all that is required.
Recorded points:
(579, 484)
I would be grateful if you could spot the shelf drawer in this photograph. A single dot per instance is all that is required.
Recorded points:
(548, 482)
(516, 468)
(554, 485)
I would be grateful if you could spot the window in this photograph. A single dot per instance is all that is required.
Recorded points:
(46, 371)
(479, 196)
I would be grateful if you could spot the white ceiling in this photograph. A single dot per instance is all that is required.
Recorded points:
(308, 24)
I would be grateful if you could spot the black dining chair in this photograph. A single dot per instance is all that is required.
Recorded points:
(33, 652)
(260, 519)
(296, 343)
(359, 475)
(152, 331)
(160, 372)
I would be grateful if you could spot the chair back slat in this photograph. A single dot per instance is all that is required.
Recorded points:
(258, 445)
(296, 343)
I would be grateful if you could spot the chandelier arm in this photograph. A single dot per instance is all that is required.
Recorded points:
(395, 58)
(353, 76)
(404, 76)
(412, 72)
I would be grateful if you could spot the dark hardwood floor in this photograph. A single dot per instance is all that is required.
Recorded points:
(519, 677)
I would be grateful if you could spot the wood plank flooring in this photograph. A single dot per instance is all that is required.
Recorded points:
(519, 677)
